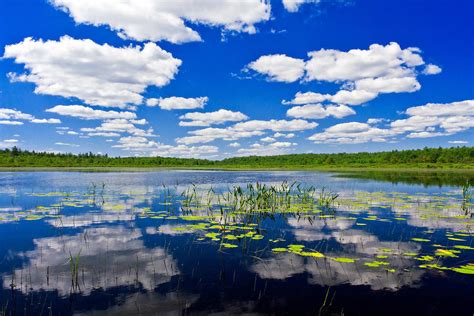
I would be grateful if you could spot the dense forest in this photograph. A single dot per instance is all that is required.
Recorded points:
(455, 157)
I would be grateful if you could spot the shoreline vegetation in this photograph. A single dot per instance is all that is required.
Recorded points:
(427, 159)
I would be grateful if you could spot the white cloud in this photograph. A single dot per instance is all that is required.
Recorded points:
(350, 97)
(12, 117)
(5, 122)
(375, 120)
(275, 125)
(268, 139)
(448, 117)
(388, 85)
(153, 148)
(245, 130)
(458, 142)
(155, 20)
(96, 74)
(426, 134)
(111, 128)
(318, 111)
(46, 121)
(294, 5)
(307, 98)
(135, 143)
(362, 74)
(178, 103)
(353, 97)
(431, 69)
(279, 67)
(275, 148)
(461, 108)
(352, 133)
(355, 64)
(186, 151)
(86, 113)
(278, 135)
(66, 144)
(235, 145)
(430, 120)
(210, 118)
(12, 114)
(104, 134)
(10, 141)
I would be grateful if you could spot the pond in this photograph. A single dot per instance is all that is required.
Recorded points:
(215, 242)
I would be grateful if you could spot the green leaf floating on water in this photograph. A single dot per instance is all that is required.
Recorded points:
(421, 239)
(463, 247)
(212, 235)
(344, 260)
(33, 217)
(466, 269)
(456, 239)
(314, 254)
(445, 253)
(376, 264)
(279, 250)
(425, 258)
(227, 245)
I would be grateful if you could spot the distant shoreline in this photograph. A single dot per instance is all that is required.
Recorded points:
(436, 169)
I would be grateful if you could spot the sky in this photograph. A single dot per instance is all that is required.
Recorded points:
(215, 79)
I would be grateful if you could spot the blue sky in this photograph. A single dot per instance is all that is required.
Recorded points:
(215, 79)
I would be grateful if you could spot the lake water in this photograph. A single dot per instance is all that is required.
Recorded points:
(125, 243)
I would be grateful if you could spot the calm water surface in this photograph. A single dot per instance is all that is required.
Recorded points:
(79, 243)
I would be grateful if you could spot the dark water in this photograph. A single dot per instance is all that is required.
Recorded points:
(118, 243)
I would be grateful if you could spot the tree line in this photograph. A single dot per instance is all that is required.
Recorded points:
(426, 157)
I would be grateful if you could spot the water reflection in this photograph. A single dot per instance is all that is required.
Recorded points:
(139, 244)
(108, 257)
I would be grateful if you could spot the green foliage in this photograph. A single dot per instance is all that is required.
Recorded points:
(426, 158)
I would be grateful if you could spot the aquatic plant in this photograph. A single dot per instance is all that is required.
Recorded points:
(74, 268)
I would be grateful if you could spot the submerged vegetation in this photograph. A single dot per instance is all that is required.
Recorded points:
(456, 157)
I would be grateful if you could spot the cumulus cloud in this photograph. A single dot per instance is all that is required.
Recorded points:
(86, 113)
(46, 121)
(362, 74)
(245, 130)
(268, 139)
(5, 122)
(275, 125)
(66, 144)
(11, 141)
(431, 69)
(294, 5)
(289, 135)
(274, 148)
(356, 64)
(351, 133)
(14, 117)
(349, 97)
(460, 108)
(318, 111)
(210, 118)
(96, 74)
(279, 67)
(154, 20)
(111, 128)
(437, 119)
(429, 120)
(154, 148)
(178, 103)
